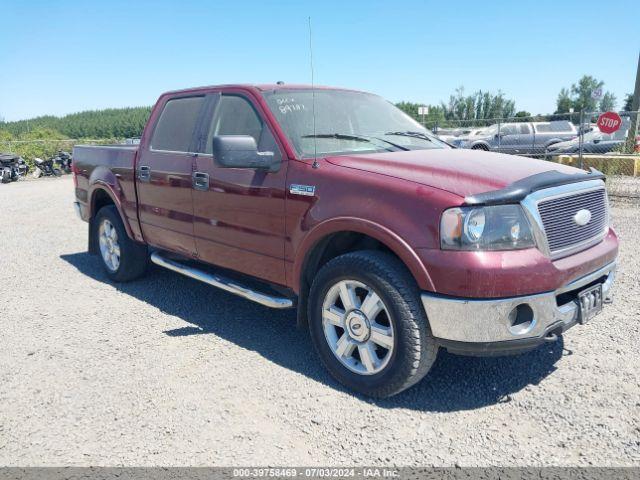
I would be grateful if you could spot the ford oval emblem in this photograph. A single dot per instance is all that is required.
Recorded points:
(582, 217)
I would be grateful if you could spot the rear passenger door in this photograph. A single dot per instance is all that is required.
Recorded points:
(524, 140)
(507, 138)
(164, 176)
(239, 214)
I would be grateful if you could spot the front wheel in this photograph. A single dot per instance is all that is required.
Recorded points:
(367, 324)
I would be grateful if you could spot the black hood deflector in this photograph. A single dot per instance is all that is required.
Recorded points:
(517, 191)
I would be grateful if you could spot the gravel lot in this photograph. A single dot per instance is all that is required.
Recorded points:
(169, 371)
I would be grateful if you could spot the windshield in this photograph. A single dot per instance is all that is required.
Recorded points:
(346, 123)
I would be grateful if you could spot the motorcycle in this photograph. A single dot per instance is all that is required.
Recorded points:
(63, 159)
(9, 171)
(45, 168)
(23, 168)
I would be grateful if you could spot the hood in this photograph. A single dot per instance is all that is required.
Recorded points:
(459, 171)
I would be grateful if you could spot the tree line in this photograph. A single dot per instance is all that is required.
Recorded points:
(108, 123)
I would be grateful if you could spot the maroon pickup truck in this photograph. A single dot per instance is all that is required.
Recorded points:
(390, 243)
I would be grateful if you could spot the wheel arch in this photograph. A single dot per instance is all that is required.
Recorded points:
(102, 195)
(480, 145)
(343, 235)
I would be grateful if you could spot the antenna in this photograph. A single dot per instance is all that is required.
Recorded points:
(313, 102)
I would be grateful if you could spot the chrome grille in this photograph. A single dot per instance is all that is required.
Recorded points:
(562, 231)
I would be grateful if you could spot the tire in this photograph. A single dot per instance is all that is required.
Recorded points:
(57, 172)
(122, 259)
(402, 319)
(480, 147)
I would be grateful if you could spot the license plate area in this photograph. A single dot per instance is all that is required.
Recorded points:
(590, 302)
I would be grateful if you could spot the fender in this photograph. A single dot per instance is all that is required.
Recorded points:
(553, 141)
(352, 224)
(104, 179)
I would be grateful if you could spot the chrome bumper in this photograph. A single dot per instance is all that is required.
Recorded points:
(487, 321)
(76, 207)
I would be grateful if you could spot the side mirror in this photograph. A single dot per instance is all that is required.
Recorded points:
(240, 151)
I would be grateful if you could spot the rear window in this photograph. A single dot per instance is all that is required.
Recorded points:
(176, 124)
(559, 126)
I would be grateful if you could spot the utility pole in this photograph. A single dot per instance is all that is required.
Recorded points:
(635, 106)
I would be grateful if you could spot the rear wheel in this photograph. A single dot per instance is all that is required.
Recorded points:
(367, 324)
(122, 258)
(480, 147)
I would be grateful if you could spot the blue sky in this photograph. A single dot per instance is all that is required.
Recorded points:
(58, 57)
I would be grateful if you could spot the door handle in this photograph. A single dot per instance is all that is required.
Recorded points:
(201, 181)
(144, 173)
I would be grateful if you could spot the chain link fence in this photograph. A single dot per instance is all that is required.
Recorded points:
(569, 138)
(573, 139)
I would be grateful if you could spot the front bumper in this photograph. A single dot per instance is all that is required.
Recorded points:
(483, 326)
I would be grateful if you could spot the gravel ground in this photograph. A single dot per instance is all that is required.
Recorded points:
(167, 371)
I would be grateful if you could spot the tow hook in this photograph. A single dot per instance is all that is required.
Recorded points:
(550, 338)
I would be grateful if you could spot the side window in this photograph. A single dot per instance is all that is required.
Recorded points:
(176, 124)
(524, 129)
(508, 129)
(234, 115)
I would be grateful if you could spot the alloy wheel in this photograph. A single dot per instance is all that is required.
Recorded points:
(109, 246)
(357, 327)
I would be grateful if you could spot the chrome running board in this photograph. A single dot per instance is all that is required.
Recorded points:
(223, 283)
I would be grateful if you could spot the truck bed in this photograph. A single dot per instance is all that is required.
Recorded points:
(111, 156)
(113, 167)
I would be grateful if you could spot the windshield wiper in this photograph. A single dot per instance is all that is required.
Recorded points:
(357, 138)
(409, 133)
(339, 136)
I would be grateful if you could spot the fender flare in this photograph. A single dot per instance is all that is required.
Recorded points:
(384, 235)
(104, 179)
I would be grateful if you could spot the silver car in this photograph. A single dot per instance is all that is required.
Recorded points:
(526, 138)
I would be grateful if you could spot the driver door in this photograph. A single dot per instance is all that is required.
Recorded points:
(239, 215)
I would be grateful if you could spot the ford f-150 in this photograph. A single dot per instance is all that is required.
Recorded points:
(390, 243)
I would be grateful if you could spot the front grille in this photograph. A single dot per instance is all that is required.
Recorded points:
(561, 230)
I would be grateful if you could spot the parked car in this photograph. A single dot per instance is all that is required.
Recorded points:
(526, 138)
(472, 134)
(593, 141)
(389, 243)
(448, 134)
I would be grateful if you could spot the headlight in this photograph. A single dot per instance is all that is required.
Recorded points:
(500, 227)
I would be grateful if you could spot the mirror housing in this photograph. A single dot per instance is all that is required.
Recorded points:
(240, 151)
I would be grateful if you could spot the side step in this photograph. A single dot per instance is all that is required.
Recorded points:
(222, 283)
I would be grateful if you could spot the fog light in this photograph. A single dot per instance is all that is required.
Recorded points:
(521, 319)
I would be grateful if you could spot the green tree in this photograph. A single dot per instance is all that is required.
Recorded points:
(522, 114)
(108, 123)
(477, 106)
(628, 102)
(608, 102)
(582, 93)
(564, 103)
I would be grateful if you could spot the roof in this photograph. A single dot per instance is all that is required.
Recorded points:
(262, 87)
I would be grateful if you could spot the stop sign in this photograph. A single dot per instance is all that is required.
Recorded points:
(609, 122)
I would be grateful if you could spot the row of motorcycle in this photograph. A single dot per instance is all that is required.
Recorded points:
(13, 167)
